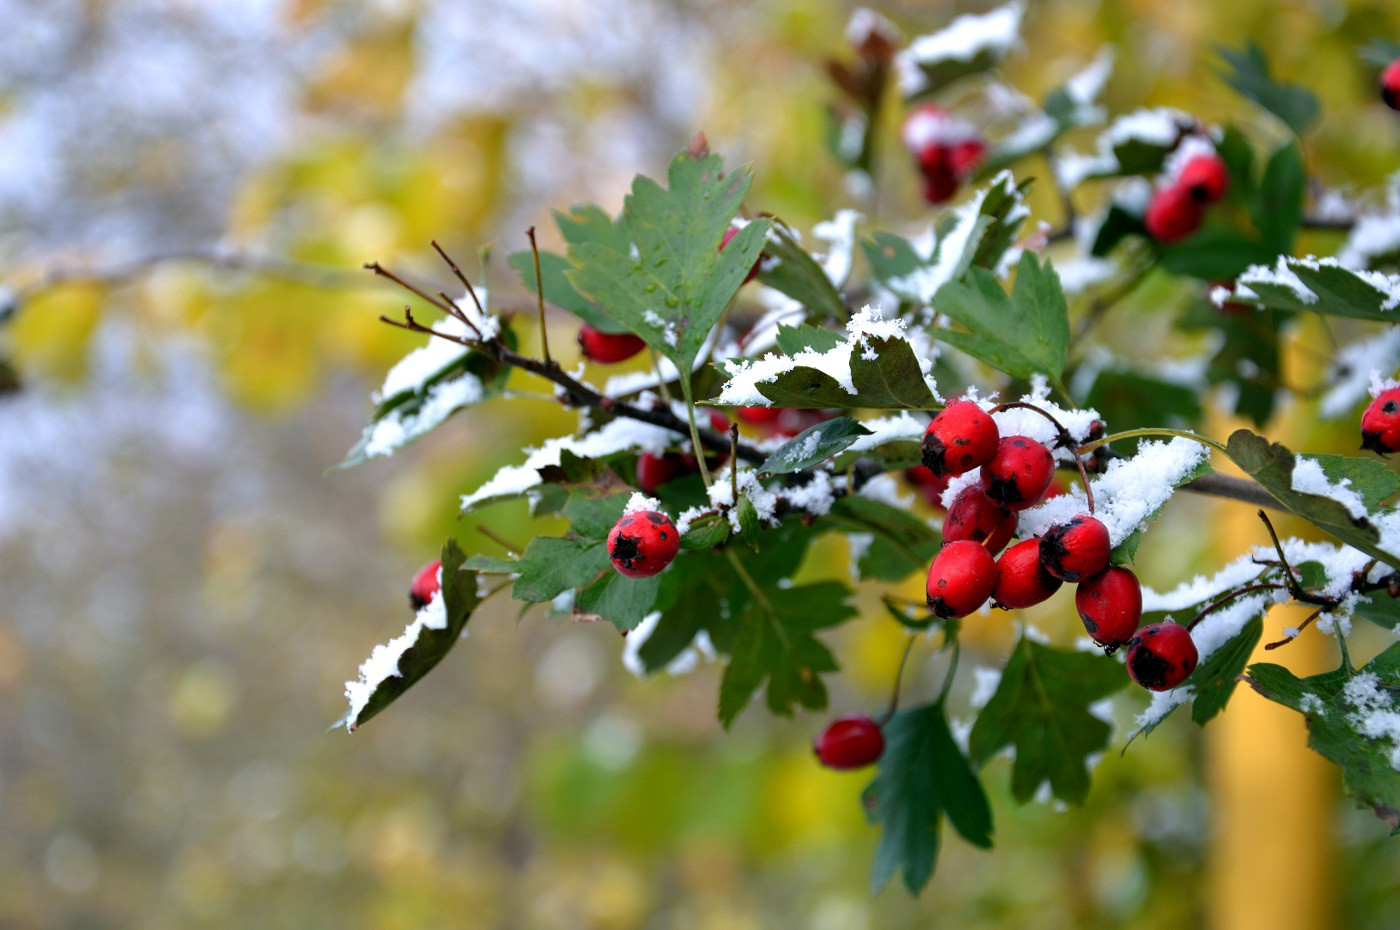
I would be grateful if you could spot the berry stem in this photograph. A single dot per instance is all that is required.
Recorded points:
(695, 442)
(952, 671)
(1265, 586)
(898, 679)
(1152, 431)
(660, 379)
(1065, 440)
(539, 293)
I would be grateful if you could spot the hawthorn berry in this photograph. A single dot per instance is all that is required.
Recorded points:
(1390, 85)
(1075, 550)
(929, 485)
(1380, 424)
(729, 234)
(1110, 604)
(947, 150)
(1022, 580)
(1173, 214)
(643, 543)
(1019, 473)
(1205, 178)
(655, 470)
(975, 516)
(425, 584)
(963, 575)
(1161, 656)
(607, 348)
(849, 743)
(960, 438)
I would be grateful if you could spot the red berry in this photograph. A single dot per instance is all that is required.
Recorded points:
(975, 516)
(655, 470)
(758, 416)
(1205, 177)
(1075, 550)
(1173, 214)
(1110, 604)
(608, 347)
(792, 421)
(1380, 424)
(643, 543)
(425, 585)
(1390, 85)
(849, 743)
(719, 422)
(963, 575)
(939, 187)
(928, 484)
(1019, 473)
(961, 437)
(1161, 656)
(730, 233)
(963, 157)
(1021, 580)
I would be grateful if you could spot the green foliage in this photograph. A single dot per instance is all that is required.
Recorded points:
(1214, 680)
(885, 374)
(789, 268)
(813, 445)
(1247, 71)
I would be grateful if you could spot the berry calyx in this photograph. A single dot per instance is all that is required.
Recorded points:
(1390, 85)
(425, 584)
(963, 575)
(1173, 214)
(607, 348)
(643, 543)
(1205, 177)
(655, 470)
(1161, 656)
(729, 234)
(1110, 604)
(1019, 473)
(1380, 424)
(975, 516)
(1075, 550)
(960, 438)
(849, 743)
(1022, 580)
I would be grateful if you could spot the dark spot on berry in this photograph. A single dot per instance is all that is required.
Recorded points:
(931, 454)
(940, 608)
(1390, 406)
(1149, 669)
(416, 602)
(663, 534)
(1090, 625)
(967, 461)
(656, 518)
(963, 440)
(626, 550)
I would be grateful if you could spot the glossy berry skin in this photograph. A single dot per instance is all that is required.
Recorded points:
(643, 543)
(1380, 424)
(607, 348)
(1020, 472)
(1021, 580)
(1205, 177)
(729, 234)
(975, 516)
(1161, 656)
(655, 470)
(1390, 85)
(1075, 550)
(1173, 214)
(960, 438)
(1110, 604)
(849, 743)
(963, 575)
(425, 585)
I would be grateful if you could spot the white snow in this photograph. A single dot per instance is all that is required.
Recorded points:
(1078, 273)
(1371, 238)
(839, 233)
(667, 328)
(418, 367)
(985, 681)
(931, 125)
(383, 662)
(1156, 127)
(1283, 275)
(899, 426)
(387, 435)
(964, 39)
(885, 489)
(685, 662)
(639, 501)
(1373, 712)
(865, 23)
(1309, 478)
(1191, 147)
(1085, 87)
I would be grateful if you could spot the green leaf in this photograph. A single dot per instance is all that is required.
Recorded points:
(795, 339)
(1381, 609)
(689, 599)
(1248, 73)
(1214, 679)
(789, 268)
(1234, 149)
(932, 62)
(1130, 400)
(615, 597)
(902, 542)
(1373, 480)
(706, 533)
(460, 599)
(592, 515)
(1023, 335)
(813, 445)
(774, 643)
(551, 565)
(1117, 225)
(1326, 287)
(1335, 726)
(922, 777)
(1041, 706)
(675, 289)
(1272, 466)
(885, 373)
(1380, 52)
(1215, 253)
(749, 527)
(1278, 204)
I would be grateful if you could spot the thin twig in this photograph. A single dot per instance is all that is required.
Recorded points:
(539, 292)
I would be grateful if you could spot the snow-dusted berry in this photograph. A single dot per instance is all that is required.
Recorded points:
(1110, 604)
(1075, 550)
(643, 543)
(1021, 580)
(963, 575)
(1173, 214)
(1161, 656)
(1380, 424)
(425, 584)
(607, 348)
(1205, 177)
(960, 438)
(965, 156)
(849, 743)
(729, 234)
(1390, 85)
(1020, 472)
(655, 470)
(975, 516)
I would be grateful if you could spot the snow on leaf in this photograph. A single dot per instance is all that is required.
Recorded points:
(1322, 285)
(968, 45)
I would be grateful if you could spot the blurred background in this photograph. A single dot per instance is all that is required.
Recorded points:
(187, 192)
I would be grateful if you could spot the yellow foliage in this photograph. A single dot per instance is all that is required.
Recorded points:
(51, 334)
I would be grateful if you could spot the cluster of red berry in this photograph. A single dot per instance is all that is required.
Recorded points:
(1380, 424)
(946, 149)
(1178, 208)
